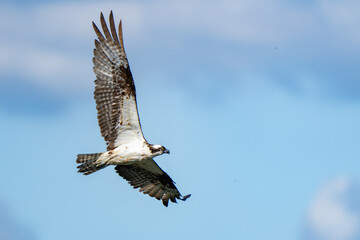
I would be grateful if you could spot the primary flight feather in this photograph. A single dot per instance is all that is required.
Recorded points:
(119, 122)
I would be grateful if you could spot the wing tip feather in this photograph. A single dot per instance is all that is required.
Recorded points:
(183, 198)
(112, 28)
(165, 202)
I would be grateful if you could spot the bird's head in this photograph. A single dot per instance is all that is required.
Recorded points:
(158, 150)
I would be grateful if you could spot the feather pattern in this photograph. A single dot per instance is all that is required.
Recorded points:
(151, 179)
(115, 93)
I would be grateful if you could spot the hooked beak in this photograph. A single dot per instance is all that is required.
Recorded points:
(167, 151)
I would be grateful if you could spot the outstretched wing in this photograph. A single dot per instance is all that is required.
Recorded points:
(151, 179)
(114, 88)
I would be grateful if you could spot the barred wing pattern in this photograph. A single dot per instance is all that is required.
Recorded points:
(151, 179)
(115, 93)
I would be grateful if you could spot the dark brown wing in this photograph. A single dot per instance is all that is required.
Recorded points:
(115, 93)
(151, 179)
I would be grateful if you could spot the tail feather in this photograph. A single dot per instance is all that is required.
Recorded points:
(83, 158)
(88, 163)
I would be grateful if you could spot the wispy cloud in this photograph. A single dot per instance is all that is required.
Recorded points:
(10, 229)
(332, 215)
(344, 17)
(49, 44)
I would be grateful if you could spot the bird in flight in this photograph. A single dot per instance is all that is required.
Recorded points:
(119, 122)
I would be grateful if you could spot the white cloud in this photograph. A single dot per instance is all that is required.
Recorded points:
(343, 16)
(47, 68)
(330, 216)
(50, 44)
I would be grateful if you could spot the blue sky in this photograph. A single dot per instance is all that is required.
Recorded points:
(257, 101)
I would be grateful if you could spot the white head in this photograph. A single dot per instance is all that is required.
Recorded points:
(158, 150)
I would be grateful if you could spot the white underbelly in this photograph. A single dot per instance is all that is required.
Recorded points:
(127, 154)
(125, 159)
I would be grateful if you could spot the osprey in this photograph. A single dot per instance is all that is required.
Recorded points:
(119, 122)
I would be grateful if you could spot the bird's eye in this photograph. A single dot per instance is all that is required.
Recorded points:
(162, 148)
